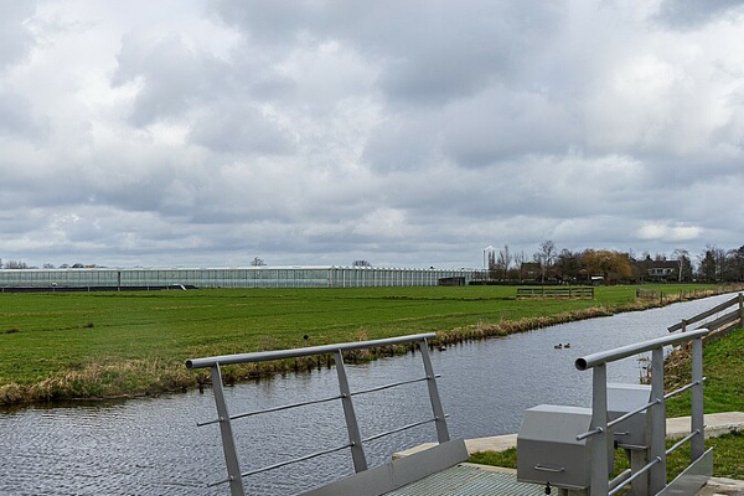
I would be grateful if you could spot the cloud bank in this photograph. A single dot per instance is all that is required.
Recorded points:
(206, 133)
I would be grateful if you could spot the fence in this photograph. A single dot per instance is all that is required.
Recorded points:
(542, 292)
(446, 454)
(720, 325)
(648, 476)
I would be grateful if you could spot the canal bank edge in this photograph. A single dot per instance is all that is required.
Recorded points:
(140, 378)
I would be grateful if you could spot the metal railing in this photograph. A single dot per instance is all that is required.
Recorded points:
(726, 322)
(356, 442)
(651, 477)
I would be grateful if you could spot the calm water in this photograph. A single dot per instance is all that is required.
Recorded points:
(152, 446)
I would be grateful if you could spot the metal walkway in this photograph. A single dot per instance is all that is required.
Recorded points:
(469, 480)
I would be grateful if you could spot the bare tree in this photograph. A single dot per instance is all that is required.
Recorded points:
(361, 263)
(504, 261)
(258, 262)
(545, 256)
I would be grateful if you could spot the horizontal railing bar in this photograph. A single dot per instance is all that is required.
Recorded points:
(682, 389)
(294, 460)
(395, 384)
(587, 434)
(633, 477)
(634, 412)
(621, 478)
(273, 409)
(682, 441)
(704, 315)
(223, 481)
(589, 361)
(263, 356)
(399, 429)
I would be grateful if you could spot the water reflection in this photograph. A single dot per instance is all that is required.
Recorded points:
(151, 447)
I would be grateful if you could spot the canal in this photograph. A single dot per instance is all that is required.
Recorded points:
(152, 447)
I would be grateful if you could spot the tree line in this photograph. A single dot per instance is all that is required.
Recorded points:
(548, 264)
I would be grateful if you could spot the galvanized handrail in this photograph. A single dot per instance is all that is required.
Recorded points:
(600, 427)
(235, 476)
(265, 356)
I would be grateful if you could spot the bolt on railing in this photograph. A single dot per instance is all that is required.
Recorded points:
(600, 427)
(356, 442)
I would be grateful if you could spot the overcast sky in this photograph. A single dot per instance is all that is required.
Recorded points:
(407, 133)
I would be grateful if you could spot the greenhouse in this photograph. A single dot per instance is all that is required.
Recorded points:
(253, 277)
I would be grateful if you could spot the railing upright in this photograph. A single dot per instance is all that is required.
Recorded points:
(657, 441)
(228, 440)
(440, 420)
(355, 437)
(599, 479)
(696, 418)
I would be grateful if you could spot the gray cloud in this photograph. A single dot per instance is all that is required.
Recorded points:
(16, 38)
(18, 118)
(174, 77)
(691, 13)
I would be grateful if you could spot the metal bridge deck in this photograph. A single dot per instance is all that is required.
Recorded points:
(469, 480)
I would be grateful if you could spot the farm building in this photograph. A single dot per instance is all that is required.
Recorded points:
(253, 277)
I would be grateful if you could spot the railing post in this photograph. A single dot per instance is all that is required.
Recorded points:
(600, 484)
(697, 420)
(355, 437)
(657, 444)
(440, 421)
(741, 309)
(228, 441)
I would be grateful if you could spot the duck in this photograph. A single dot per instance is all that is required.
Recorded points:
(567, 345)
(558, 346)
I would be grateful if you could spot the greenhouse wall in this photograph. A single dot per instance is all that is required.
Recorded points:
(253, 277)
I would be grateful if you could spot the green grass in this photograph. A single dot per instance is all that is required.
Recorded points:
(63, 345)
(723, 367)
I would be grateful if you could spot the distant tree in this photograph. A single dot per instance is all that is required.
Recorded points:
(707, 270)
(612, 265)
(48, 266)
(685, 272)
(16, 264)
(568, 264)
(504, 261)
(361, 263)
(257, 262)
(78, 266)
(735, 264)
(64, 266)
(492, 267)
(545, 256)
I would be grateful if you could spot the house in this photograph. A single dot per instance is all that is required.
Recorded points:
(663, 270)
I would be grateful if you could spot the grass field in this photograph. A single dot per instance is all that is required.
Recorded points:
(88, 345)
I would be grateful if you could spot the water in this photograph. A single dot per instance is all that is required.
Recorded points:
(151, 447)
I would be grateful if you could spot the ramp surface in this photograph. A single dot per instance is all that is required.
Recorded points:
(469, 480)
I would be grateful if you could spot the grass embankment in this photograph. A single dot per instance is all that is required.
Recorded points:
(723, 360)
(56, 346)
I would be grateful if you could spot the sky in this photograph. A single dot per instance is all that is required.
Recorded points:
(204, 133)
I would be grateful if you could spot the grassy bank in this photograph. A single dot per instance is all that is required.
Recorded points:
(723, 360)
(56, 346)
